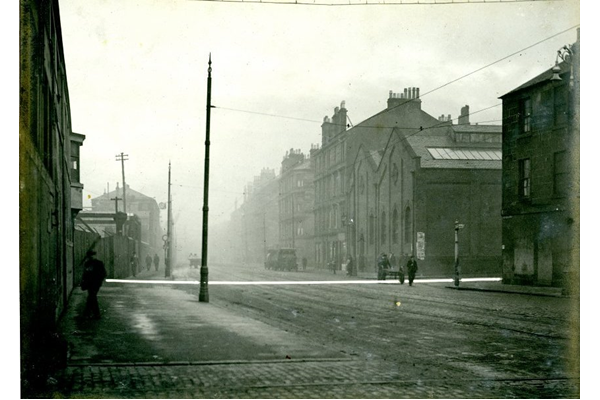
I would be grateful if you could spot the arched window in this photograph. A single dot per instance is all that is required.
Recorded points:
(383, 228)
(371, 229)
(407, 226)
(395, 226)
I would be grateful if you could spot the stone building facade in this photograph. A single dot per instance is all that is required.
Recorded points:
(540, 197)
(330, 179)
(48, 194)
(296, 201)
(411, 176)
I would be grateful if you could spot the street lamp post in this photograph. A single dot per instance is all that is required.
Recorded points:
(457, 227)
(168, 240)
(203, 297)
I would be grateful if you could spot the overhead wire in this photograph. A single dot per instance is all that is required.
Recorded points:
(421, 95)
(441, 123)
(375, 3)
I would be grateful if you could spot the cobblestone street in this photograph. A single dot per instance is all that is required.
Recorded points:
(316, 379)
(378, 340)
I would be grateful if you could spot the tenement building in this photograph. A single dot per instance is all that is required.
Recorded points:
(254, 226)
(330, 190)
(540, 196)
(49, 191)
(296, 201)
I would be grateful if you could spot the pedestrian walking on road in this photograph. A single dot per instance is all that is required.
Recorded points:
(411, 267)
(148, 262)
(332, 266)
(94, 274)
(156, 261)
(396, 266)
(304, 263)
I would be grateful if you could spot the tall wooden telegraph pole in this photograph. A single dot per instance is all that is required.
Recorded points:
(122, 157)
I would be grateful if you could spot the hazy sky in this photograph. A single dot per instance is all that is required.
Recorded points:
(137, 81)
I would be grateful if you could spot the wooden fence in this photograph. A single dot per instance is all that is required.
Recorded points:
(114, 251)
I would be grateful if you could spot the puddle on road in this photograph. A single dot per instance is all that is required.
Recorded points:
(145, 326)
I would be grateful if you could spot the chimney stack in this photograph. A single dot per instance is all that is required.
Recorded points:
(335, 125)
(409, 97)
(464, 116)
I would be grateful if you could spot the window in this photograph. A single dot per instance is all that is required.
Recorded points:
(335, 216)
(525, 115)
(383, 228)
(560, 173)
(407, 226)
(394, 173)
(402, 176)
(525, 178)
(74, 170)
(371, 232)
(395, 226)
(560, 105)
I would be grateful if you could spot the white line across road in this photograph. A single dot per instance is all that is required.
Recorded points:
(352, 282)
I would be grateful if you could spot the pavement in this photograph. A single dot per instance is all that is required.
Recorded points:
(498, 286)
(202, 350)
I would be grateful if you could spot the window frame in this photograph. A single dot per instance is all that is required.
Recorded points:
(524, 188)
(525, 112)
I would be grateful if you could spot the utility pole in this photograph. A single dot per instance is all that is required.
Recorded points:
(116, 199)
(293, 227)
(168, 243)
(119, 218)
(264, 236)
(121, 157)
(204, 268)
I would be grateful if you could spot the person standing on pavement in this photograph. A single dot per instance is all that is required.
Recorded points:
(304, 263)
(156, 261)
(148, 262)
(383, 263)
(94, 274)
(134, 263)
(350, 266)
(411, 267)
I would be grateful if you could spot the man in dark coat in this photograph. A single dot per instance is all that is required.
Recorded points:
(94, 274)
(411, 267)
(148, 262)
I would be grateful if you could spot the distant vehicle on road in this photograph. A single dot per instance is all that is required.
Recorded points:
(195, 261)
(282, 260)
